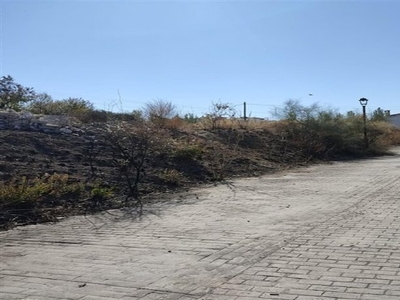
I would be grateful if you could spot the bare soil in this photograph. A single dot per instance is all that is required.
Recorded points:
(221, 154)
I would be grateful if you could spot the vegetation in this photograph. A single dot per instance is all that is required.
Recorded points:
(378, 115)
(325, 134)
(219, 113)
(130, 145)
(124, 157)
(13, 95)
(25, 200)
(159, 112)
(44, 104)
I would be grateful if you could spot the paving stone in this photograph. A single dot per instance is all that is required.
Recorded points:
(324, 232)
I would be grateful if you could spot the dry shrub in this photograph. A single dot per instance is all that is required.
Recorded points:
(253, 124)
(159, 112)
(134, 147)
(173, 124)
(130, 144)
(172, 176)
(234, 123)
(219, 115)
(385, 134)
(225, 149)
(187, 151)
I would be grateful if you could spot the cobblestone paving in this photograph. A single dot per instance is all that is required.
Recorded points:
(324, 232)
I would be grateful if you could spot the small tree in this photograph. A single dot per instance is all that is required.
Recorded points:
(378, 115)
(13, 95)
(190, 118)
(351, 114)
(293, 110)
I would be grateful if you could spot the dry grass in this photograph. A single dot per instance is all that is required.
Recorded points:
(175, 123)
(236, 123)
(387, 136)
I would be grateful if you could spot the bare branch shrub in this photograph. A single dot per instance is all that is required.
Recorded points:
(91, 153)
(131, 144)
(224, 156)
(159, 111)
(219, 112)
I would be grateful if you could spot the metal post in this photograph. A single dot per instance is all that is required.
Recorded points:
(244, 111)
(364, 102)
(365, 128)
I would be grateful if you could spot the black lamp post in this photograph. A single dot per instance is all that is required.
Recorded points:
(363, 102)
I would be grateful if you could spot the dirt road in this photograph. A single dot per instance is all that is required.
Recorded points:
(324, 232)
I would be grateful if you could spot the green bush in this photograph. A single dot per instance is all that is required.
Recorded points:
(44, 104)
(101, 192)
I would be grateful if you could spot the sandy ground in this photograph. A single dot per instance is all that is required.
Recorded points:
(324, 232)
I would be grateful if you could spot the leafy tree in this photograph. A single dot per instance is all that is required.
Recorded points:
(378, 115)
(137, 114)
(351, 114)
(40, 104)
(293, 110)
(191, 118)
(13, 95)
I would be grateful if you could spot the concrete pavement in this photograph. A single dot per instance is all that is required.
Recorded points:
(323, 232)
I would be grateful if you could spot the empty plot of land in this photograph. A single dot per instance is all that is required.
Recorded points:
(323, 232)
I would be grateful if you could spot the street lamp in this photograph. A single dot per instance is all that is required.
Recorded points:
(364, 102)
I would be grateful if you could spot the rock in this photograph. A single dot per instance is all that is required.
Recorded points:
(65, 130)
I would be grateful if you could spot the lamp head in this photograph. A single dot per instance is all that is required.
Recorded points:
(363, 101)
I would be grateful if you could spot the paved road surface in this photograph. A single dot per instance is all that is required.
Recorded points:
(324, 232)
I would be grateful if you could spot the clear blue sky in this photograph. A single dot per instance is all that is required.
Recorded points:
(195, 52)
